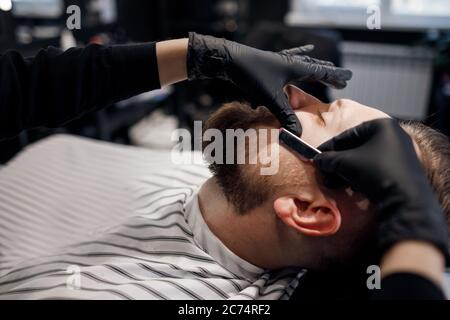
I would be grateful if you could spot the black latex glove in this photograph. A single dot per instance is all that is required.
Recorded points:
(261, 74)
(378, 159)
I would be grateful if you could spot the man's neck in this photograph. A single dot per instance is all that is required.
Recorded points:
(252, 235)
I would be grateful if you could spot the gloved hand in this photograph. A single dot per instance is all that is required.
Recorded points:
(378, 159)
(263, 74)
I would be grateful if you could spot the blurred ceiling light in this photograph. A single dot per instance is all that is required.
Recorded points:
(5, 5)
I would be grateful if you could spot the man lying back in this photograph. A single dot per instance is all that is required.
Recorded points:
(239, 234)
(290, 218)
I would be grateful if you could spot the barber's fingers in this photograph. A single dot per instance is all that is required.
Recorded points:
(338, 169)
(347, 140)
(299, 50)
(292, 124)
(344, 155)
(331, 76)
(337, 153)
(334, 181)
(309, 59)
(336, 77)
(285, 114)
(328, 162)
(351, 138)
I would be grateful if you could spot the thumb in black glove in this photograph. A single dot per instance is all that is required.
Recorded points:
(378, 159)
(263, 74)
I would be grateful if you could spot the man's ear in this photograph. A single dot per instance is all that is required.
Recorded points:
(299, 98)
(319, 217)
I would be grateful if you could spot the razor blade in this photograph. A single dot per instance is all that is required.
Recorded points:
(301, 147)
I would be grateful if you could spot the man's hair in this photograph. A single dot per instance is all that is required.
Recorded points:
(246, 192)
(435, 157)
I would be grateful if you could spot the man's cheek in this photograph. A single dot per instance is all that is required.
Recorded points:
(313, 135)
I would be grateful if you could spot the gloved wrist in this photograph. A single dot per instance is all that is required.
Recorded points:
(417, 220)
(206, 58)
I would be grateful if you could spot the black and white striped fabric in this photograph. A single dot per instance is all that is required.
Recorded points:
(82, 219)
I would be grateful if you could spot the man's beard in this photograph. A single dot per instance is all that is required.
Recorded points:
(243, 186)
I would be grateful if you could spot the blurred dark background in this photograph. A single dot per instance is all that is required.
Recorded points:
(402, 68)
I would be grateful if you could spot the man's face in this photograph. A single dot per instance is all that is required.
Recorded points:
(320, 122)
(341, 217)
(331, 223)
(323, 121)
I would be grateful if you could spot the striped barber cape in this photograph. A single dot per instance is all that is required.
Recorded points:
(83, 219)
